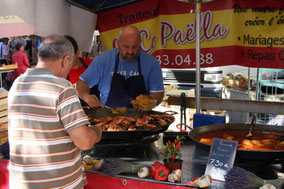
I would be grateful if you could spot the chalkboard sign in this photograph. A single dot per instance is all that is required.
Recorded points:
(221, 158)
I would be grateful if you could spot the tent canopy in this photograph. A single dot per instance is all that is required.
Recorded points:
(42, 18)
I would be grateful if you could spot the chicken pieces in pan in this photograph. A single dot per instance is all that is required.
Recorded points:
(259, 141)
(128, 123)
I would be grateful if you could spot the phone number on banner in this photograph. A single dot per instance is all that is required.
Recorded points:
(183, 60)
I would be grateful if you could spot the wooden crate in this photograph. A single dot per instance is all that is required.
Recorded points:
(9, 67)
(3, 137)
(4, 127)
(3, 115)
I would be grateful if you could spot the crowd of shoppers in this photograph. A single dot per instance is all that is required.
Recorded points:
(21, 50)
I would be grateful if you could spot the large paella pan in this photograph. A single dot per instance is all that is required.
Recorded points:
(129, 124)
(250, 154)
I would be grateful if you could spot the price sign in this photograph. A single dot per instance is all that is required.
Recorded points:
(221, 158)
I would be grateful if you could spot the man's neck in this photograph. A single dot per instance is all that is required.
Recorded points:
(78, 64)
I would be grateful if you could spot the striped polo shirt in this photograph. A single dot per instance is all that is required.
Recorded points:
(42, 110)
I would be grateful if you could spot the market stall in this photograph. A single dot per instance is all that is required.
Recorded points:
(230, 33)
(194, 165)
(174, 48)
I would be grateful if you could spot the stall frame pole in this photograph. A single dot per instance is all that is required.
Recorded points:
(197, 50)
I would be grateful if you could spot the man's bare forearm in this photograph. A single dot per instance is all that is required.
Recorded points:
(84, 93)
(83, 88)
(157, 96)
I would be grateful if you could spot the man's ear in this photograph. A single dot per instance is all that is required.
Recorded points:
(77, 53)
(65, 61)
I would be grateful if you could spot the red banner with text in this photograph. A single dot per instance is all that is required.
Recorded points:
(233, 32)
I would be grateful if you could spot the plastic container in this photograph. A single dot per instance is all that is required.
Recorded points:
(204, 119)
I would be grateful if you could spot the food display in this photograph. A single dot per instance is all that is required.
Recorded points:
(159, 171)
(116, 166)
(130, 123)
(204, 181)
(175, 176)
(119, 110)
(258, 141)
(89, 162)
(234, 81)
(144, 103)
(144, 172)
(238, 177)
(129, 126)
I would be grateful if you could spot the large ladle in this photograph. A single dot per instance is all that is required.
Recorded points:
(249, 135)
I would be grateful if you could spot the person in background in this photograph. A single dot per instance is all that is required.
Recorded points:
(47, 125)
(11, 49)
(4, 51)
(100, 47)
(93, 52)
(80, 65)
(21, 59)
(38, 42)
(28, 46)
(5, 60)
(97, 47)
(19, 39)
(32, 51)
(122, 74)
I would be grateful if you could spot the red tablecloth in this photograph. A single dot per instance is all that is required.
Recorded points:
(4, 174)
(96, 181)
(102, 181)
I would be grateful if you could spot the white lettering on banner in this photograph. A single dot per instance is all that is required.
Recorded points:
(168, 31)
(147, 34)
(115, 42)
(179, 60)
(178, 36)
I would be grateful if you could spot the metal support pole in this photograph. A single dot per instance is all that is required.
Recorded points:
(248, 92)
(257, 85)
(197, 75)
(197, 49)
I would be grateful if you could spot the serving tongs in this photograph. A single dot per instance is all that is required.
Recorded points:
(106, 107)
(252, 123)
(98, 110)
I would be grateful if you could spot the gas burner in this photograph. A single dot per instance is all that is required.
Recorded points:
(143, 150)
(147, 139)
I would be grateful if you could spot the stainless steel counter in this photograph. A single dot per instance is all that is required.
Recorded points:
(194, 160)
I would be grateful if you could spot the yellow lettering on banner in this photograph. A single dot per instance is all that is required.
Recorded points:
(219, 29)
(10, 19)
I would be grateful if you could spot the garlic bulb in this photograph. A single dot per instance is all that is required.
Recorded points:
(88, 160)
(99, 164)
(268, 186)
(175, 176)
(143, 172)
(204, 181)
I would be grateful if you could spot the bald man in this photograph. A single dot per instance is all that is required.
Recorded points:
(122, 74)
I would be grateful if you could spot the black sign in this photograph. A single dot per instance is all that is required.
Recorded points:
(221, 158)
